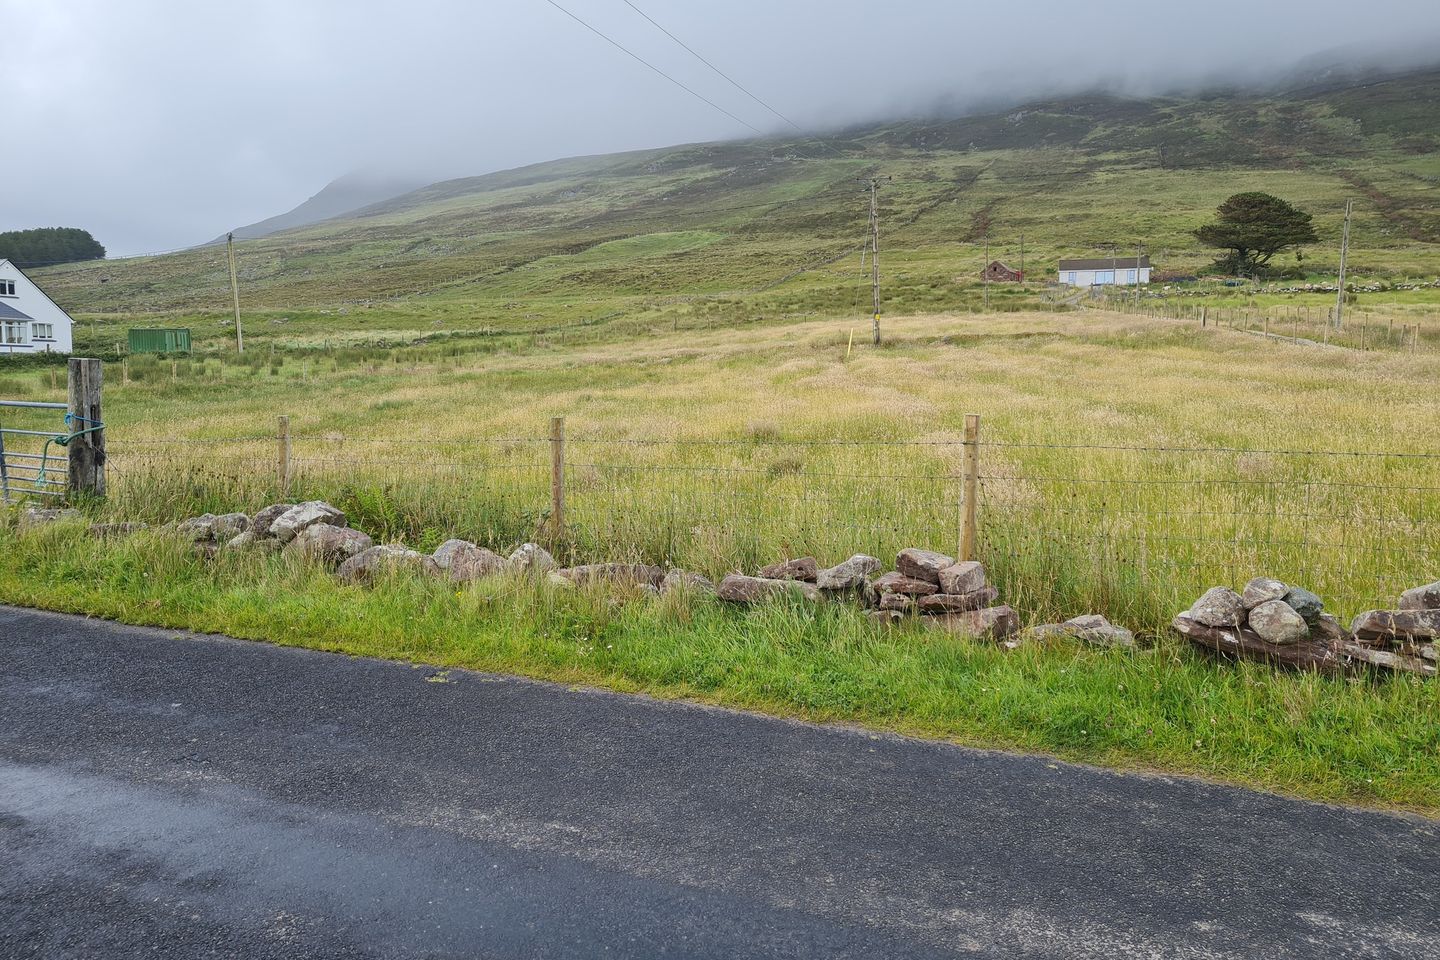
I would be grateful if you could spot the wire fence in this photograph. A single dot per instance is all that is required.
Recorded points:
(1133, 532)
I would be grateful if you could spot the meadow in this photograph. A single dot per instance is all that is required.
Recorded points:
(698, 315)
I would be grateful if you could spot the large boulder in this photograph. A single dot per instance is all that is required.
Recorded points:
(200, 529)
(896, 603)
(897, 582)
(532, 558)
(991, 623)
(683, 581)
(922, 564)
(1097, 631)
(803, 568)
(328, 544)
(936, 604)
(288, 525)
(262, 521)
(228, 526)
(642, 574)
(967, 576)
(374, 561)
(1219, 607)
(1275, 621)
(738, 588)
(1262, 590)
(1421, 598)
(463, 560)
(1385, 627)
(853, 574)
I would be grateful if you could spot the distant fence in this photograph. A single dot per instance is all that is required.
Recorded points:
(1134, 531)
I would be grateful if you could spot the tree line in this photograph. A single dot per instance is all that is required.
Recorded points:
(46, 245)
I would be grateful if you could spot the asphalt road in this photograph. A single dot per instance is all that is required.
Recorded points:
(178, 796)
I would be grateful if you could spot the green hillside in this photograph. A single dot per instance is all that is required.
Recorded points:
(766, 228)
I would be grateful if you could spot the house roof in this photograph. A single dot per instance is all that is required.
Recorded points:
(1105, 263)
(39, 289)
(8, 312)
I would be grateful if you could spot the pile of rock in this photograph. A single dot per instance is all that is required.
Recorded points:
(1279, 624)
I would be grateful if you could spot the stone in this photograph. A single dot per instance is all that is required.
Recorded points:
(967, 576)
(936, 604)
(365, 566)
(632, 573)
(1305, 603)
(261, 522)
(200, 529)
(899, 583)
(682, 581)
(463, 560)
(1275, 621)
(1050, 631)
(923, 564)
(241, 541)
(896, 602)
(1389, 626)
(1421, 598)
(289, 524)
(1327, 628)
(33, 516)
(853, 574)
(555, 580)
(104, 531)
(1095, 630)
(1262, 590)
(227, 526)
(886, 618)
(329, 544)
(990, 623)
(1428, 652)
(1219, 607)
(803, 568)
(532, 558)
(738, 588)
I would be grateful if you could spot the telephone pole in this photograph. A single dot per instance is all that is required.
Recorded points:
(874, 183)
(234, 292)
(1022, 258)
(1139, 255)
(1344, 252)
(985, 273)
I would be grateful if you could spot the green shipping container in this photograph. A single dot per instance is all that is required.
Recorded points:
(160, 340)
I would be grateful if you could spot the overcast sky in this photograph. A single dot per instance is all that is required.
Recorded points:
(161, 123)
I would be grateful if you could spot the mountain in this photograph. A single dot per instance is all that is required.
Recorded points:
(345, 195)
(774, 226)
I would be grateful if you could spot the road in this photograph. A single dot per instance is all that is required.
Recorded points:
(172, 795)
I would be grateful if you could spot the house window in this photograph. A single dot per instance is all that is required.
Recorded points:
(43, 331)
(1070, 278)
(1129, 276)
(1104, 276)
(7, 288)
(14, 333)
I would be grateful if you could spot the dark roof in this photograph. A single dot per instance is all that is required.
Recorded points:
(1104, 263)
(8, 312)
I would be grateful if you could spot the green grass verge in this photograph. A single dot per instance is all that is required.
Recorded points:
(1374, 742)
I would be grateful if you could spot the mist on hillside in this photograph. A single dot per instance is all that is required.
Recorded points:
(160, 124)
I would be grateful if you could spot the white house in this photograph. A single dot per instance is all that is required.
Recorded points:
(1126, 271)
(30, 322)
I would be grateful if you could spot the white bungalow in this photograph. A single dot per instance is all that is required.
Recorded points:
(1103, 271)
(30, 322)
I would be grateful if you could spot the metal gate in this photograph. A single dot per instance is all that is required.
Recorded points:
(31, 464)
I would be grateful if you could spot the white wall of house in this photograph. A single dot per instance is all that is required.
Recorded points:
(1123, 276)
(42, 326)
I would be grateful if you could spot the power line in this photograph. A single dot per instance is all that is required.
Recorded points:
(731, 80)
(635, 56)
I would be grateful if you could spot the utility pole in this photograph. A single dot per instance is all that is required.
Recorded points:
(1344, 252)
(985, 274)
(1139, 255)
(1022, 258)
(235, 292)
(874, 183)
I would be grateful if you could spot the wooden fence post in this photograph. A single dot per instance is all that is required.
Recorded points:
(971, 469)
(557, 479)
(86, 451)
(282, 457)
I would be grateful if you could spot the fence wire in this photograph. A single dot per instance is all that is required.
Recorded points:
(1136, 532)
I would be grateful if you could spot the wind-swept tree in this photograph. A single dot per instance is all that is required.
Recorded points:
(1254, 227)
